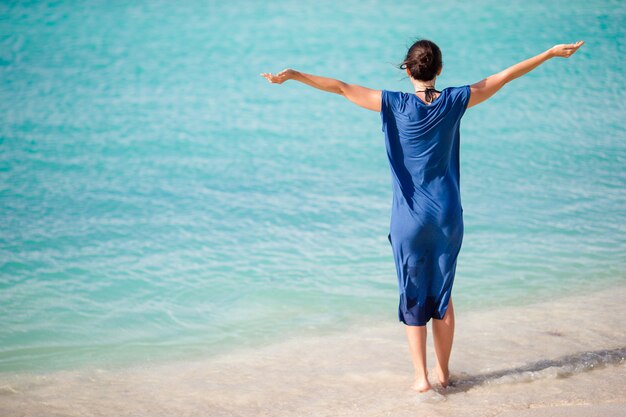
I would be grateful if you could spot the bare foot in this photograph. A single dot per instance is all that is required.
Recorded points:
(444, 377)
(421, 385)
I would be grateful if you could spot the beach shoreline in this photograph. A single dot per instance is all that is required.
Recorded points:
(543, 356)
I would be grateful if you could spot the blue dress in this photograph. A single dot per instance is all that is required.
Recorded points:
(426, 227)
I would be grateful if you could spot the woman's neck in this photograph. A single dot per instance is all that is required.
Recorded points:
(422, 85)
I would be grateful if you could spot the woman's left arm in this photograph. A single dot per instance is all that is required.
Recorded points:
(362, 96)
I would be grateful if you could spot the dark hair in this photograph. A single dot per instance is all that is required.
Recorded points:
(423, 60)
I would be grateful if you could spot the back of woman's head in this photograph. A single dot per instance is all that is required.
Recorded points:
(423, 60)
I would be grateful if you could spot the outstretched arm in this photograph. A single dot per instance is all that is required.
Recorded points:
(486, 88)
(362, 96)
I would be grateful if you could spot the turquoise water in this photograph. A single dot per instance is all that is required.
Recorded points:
(160, 200)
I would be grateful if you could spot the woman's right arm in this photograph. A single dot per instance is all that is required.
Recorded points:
(486, 88)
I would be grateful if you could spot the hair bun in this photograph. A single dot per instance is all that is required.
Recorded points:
(423, 60)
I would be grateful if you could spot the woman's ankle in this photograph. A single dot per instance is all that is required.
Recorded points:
(443, 376)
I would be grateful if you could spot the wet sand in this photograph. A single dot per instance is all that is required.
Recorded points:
(564, 358)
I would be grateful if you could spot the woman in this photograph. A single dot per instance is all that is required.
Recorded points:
(426, 229)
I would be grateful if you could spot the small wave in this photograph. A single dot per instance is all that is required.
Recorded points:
(430, 397)
(8, 390)
(562, 367)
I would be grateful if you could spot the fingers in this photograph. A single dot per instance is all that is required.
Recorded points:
(268, 75)
(574, 46)
(279, 78)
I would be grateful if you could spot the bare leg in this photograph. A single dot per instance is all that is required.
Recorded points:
(443, 334)
(417, 346)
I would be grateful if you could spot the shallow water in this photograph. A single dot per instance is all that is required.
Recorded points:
(160, 201)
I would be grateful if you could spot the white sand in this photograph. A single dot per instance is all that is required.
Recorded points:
(597, 410)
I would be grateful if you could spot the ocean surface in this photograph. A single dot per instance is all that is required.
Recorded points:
(160, 200)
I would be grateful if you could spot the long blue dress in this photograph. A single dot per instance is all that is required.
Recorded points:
(426, 227)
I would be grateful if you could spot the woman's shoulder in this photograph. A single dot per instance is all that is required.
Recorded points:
(395, 95)
(459, 90)
(390, 98)
(456, 89)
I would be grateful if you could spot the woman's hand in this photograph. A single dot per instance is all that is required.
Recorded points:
(565, 50)
(281, 77)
